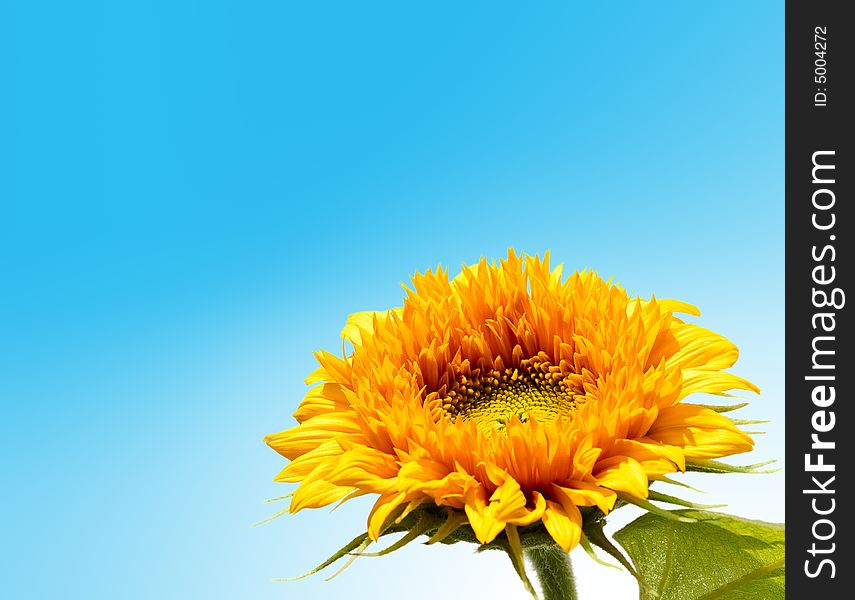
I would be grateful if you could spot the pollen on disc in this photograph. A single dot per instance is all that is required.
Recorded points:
(494, 397)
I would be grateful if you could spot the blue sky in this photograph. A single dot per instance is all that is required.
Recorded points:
(195, 195)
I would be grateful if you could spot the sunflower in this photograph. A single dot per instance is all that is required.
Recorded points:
(510, 396)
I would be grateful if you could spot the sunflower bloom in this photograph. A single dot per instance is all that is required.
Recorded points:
(512, 397)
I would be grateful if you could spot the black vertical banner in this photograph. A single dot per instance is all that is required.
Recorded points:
(820, 424)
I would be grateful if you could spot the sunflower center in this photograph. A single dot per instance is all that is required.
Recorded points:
(494, 397)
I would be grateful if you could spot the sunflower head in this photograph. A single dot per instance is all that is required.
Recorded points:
(510, 396)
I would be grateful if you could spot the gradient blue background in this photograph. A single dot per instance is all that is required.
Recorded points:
(196, 194)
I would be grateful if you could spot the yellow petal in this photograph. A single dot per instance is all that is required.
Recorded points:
(366, 469)
(622, 474)
(317, 376)
(527, 517)
(310, 434)
(381, 510)
(582, 493)
(300, 467)
(702, 349)
(646, 449)
(484, 525)
(315, 491)
(360, 323)
(321, 399)
(564, 526)
(483, 522)
(679, 307)
(702, 381)
(701, 432)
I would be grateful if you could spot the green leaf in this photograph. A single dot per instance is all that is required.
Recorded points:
(454, 520)
(395, 523)
(681, 484)
(715, 466)
(592, 554)
(719, 557)
(725, 408)
(750, 421)
(360, 541)
(660, 497)
(422, 525)
(673, 515)
(594, 532)
(515, 553)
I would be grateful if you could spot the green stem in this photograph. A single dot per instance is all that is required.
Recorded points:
(554, 571)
